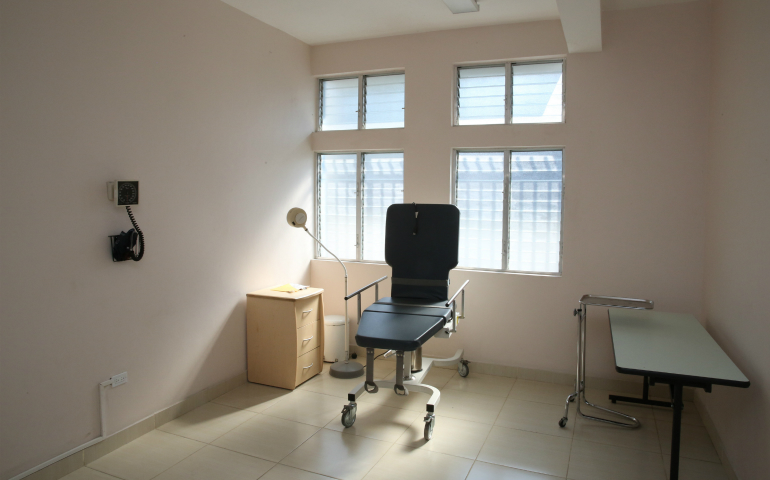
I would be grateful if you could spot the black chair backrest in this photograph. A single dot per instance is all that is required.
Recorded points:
(421, 245)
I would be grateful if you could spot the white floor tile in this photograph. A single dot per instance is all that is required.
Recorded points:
(207, 422)
(282, 472)
(469, 406)
(690, 469)
(535, 417)
(527, 451)
(252, 396)
(460, 438)
(86, 473)
(481, 384)
(695, 442)
(406, 463)
(594, 461)
(644, 437)
(217, 463)
(347, 457)
(307, 407)
(690, 415)
(147, 456)
(541, 392)
(488, 471)
(379, 422)
(266, 437)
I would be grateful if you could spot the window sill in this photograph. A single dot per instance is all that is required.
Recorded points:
(465, 269)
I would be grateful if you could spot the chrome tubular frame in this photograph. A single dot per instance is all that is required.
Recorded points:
(579, 395)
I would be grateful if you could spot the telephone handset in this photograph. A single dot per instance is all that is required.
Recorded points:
(124, 245)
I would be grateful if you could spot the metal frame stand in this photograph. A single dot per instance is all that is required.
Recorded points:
(404, 377)
(580, 376)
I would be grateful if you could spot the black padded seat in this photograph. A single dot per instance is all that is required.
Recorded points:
(401, 323)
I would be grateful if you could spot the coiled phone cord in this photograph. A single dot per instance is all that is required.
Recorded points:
(136, 257)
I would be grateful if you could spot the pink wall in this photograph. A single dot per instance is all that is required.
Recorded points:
(635, 143)
(211, 110)
(737, 260)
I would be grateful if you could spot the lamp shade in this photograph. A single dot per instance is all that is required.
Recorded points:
(297, 217)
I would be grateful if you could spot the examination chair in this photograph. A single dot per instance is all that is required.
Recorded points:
(421, 246)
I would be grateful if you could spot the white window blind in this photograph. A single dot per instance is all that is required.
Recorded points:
(479, 196)
(530, 203)
(481, 95)
(384, 99)
(339, 104)
(535, 216)
(337, 204)
(537, 93)
(383, 186)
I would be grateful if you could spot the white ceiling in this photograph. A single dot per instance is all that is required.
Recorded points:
(316, 22)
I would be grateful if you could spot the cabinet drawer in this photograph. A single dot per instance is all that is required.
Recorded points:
(308, 338)
(308, 365)
(306, 311)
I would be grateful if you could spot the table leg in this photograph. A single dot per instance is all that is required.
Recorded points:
(676, 431)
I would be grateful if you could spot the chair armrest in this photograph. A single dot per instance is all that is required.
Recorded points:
(462, 287)
(358, 292)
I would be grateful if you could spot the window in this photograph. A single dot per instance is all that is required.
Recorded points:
(350, 224)
(510, 93)
(379, 105)
(510, 209)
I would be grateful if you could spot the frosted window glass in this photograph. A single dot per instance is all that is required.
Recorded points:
(481, 95)
(337, 205)
(535, 217)
(339, 104)
(384, 97)
(383, 186)
(480, 180)
(537, 93)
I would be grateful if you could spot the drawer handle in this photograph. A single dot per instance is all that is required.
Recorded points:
(304, 312)
(305, 368)
(307, 339)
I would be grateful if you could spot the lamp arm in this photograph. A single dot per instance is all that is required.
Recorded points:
(333, 255)
(347, 340)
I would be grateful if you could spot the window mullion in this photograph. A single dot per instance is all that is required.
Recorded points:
(316, 245)
(506, 206)
(361, 97)
(359, 205)
(508, 92)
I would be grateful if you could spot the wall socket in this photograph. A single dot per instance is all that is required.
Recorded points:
(119, 379)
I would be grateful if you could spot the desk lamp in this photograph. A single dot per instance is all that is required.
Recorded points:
(347, 369)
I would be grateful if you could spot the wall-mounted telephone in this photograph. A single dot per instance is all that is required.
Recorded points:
(124, 245)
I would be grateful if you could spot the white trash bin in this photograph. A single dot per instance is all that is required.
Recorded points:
(334, 338)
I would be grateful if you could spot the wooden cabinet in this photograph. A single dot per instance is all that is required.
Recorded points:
(284, 336)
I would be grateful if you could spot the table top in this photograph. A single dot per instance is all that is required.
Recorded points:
(670, 345)
(308, 292)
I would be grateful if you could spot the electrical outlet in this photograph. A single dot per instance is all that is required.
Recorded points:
(119, 379)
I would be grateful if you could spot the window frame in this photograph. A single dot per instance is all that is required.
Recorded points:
(508, 65)
(361, 99)
(359, 201)
(507, 201)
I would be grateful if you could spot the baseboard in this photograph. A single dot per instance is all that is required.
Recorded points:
(632, 386)
(90, 453)
(715, 439)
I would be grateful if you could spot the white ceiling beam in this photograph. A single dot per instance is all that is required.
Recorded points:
(581, 21)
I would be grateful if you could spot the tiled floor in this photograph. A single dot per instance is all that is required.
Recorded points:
(487, 427)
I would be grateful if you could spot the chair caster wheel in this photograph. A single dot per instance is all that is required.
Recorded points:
(430, 422)
(349, 415)
(462, 368)
(563, 422)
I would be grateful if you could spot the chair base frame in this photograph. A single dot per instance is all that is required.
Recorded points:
(404, 381)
